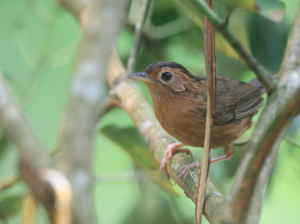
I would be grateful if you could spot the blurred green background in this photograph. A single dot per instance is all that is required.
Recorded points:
(39, 42)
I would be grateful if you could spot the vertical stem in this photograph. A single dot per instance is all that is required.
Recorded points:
(205, 165)
(210, 64)
(144, 11)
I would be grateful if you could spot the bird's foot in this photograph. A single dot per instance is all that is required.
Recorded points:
(228, 153)
(187, 167)
(171, 150)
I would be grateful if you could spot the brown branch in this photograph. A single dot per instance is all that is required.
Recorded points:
(19, 131)
(210, 64)
(259, 190)
(14, 178)
(110, 104)
(283, 104)
(100, 23)
(8, 182)
(33, 156)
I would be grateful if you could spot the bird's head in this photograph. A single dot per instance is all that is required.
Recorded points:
(166, 78)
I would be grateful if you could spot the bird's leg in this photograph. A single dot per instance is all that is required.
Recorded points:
(171, 150)
(228, 153)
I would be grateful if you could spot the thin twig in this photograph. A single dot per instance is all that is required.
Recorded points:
(267, 80)
(241, 143)
(282, 105)
(168, 29)
(110, 104)
(8, 182)
(100, 23)
(205, 164)
(210, 64)
(292, 141)
(144, 11)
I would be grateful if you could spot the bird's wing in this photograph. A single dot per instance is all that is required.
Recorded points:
(235, 100)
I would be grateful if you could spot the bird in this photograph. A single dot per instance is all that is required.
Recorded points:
(180, 104)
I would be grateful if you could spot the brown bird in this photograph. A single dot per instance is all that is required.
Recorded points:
(179, 103)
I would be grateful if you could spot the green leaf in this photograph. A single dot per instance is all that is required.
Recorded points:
(10, 205)
(130, 140)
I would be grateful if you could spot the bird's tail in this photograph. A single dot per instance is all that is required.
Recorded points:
(256, 83)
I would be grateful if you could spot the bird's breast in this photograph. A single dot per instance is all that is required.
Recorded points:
(183, 122)
(186, 123)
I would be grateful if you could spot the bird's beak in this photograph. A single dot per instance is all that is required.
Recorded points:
(140, 76)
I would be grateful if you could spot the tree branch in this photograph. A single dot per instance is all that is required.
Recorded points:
(100, 23)
(292, 141)
(33, 156)
(210, 65)
(19, 131)
(282, 105)
(259, 190)
(8, 182)
(268, 81)
(110, 104)
(14, 178)
(144, 11)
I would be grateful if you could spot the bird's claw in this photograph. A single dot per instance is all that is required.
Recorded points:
(187, 167)
(171, 150)
(163, 167)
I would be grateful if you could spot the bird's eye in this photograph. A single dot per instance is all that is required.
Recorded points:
(166, 76)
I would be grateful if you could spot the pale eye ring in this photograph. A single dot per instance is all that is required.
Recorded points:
(166, 76)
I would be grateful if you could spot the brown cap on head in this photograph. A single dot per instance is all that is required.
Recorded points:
(162, 64)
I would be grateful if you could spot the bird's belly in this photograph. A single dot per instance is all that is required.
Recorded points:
(193, 133)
